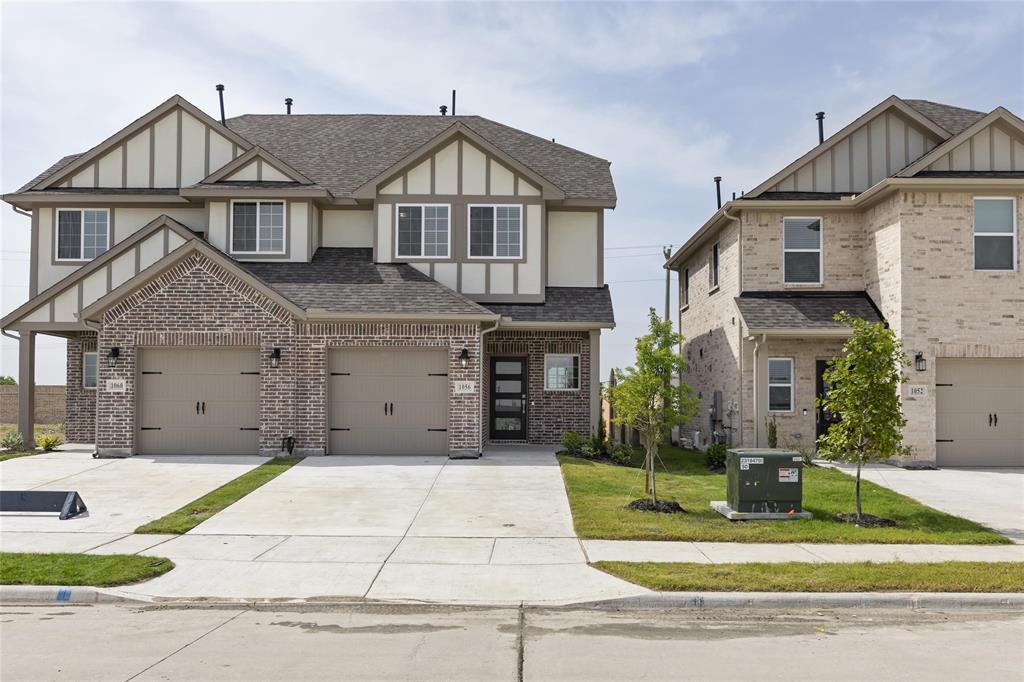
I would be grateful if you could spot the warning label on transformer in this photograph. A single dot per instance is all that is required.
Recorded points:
(789, 475)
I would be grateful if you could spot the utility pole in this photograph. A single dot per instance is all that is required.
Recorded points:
(667, 252)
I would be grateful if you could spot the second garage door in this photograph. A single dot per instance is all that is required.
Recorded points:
(979, 412)
(388, 402)
(198, 401)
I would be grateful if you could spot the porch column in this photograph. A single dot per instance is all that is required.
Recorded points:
(27, 387)
(595, 381)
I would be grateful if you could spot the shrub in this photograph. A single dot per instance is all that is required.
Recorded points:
(714, 456)
(621, 453)
(598, 446)
(573, 443)
(771, 428)
(50, 442)
(12, 440)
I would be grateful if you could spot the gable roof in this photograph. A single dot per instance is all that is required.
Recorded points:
(997, 114)
(580, 305)
(257, 153)
(953, 119)
(344, 151)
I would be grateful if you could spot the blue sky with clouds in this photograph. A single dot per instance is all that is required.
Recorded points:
(671, 93)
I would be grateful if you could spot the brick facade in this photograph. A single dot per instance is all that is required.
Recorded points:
(550, 413)
(80, 420)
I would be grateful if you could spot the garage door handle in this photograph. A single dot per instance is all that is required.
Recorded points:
(204, 407)
(996, 420)
(392, 409)
(197, 407)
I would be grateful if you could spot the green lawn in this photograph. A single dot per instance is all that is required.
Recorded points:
(950, 576)
(194, 513)
(4, 456)
(598, 493)
(79, 569)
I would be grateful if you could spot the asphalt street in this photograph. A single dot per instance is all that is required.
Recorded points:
(404, 642)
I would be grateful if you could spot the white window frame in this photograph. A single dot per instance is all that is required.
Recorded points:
(494, 241)
(715, 267)
(423, 232)
(258, 252)
(791, 385)
(85, 374)
(686, 288)
(1013, 234)
(820, 251)
(81, 237)
(579, 378)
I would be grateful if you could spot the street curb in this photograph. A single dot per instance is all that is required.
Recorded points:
(52, 594)
(1013, 601)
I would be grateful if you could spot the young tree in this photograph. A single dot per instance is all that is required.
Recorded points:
(645, 399)
(864, 390)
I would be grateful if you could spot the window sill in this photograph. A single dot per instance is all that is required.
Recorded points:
(714, 289)
(684, 308)
(561, 390)
(802, 285)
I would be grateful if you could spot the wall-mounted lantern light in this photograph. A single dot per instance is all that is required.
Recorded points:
(115, 353)
(275, 358)
(805, 412)
(464, 357)
(920, 364)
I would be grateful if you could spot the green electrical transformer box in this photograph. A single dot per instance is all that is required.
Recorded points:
(764, 481)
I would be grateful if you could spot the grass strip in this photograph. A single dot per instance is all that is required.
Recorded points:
(96, 570)
(598, 493)
(949, 576)
(197, 511)
(4, 456)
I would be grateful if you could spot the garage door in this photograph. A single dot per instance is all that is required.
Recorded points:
(200, 401)
(979, 412)
(388, 402)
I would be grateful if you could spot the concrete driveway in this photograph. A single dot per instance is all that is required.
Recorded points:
(993, 497)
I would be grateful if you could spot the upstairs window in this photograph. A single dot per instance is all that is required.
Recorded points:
(82, 234)
(995, 233)
(90, 370)
(716, 257)
(561, 372)
(423, 231)
(495, 231)
(257, 227)
(802, 250)
(686, 287)
(780, 384)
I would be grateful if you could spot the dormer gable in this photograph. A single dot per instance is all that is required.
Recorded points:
(256, 165)
(993, 144)
(174, 145)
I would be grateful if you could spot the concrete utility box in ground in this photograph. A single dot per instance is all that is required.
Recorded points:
(763, 484)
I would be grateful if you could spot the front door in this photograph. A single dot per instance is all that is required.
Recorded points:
(508, 398)
(823, 418)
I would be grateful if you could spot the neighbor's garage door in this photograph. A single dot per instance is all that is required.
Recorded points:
(388, 402)
(199, 401)
(979, 412)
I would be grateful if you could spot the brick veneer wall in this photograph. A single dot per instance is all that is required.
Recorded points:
(80, 422)
(50, 404)
(550, 413)
(199, 303)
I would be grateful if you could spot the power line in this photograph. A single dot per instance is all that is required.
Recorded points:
(640, 246)
(634, 255)
(631, 281)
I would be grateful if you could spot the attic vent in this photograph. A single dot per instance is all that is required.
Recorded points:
(288, 105)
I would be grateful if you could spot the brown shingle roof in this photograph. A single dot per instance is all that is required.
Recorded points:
(952, 119)
(767, 310)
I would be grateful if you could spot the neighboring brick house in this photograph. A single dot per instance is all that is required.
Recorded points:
(359, 284)
(910, 214)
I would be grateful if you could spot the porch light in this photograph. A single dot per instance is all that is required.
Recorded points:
(464, 357)
(275, 358)
(920, 364)
(115, 353)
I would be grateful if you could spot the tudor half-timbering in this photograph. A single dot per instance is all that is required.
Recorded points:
(910, 215)
(360, 284)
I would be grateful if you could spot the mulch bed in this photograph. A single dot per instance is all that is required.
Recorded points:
(661, 506)
(866, 521)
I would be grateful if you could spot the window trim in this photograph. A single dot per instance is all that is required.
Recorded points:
(85, 374)
(715, 268)
(820, 251)
(469, 239)
(285, 241)
(579, 378)
(1012, 234)
(686, 288)
(423, 232)
(81, 240)
(791, 385)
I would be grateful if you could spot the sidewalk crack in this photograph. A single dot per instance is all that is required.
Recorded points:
(182, 648)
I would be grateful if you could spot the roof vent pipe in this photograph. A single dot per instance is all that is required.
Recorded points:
(453, 102)
(220, 93)
(718, 190)
(821, 126)
(444, 110)
(288, 105)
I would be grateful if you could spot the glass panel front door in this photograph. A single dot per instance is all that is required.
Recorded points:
(508, 398)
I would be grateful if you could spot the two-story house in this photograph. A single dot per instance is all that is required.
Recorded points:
(359, 284)
(910, 214)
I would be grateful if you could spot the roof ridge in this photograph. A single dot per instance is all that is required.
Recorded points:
(943, 104)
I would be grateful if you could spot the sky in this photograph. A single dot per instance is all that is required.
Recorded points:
(671, 93)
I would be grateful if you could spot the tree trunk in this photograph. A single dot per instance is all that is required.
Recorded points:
(859, 512)
(654, 484)
(652, 488)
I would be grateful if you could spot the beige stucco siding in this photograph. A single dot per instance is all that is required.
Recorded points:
(446, 170)
(165, 151)
(474, 170)
(137, 159)
(127, 221)
(573, 238)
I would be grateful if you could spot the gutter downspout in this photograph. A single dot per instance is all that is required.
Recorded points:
(483, 407)
(734, 429)
(20, 211)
